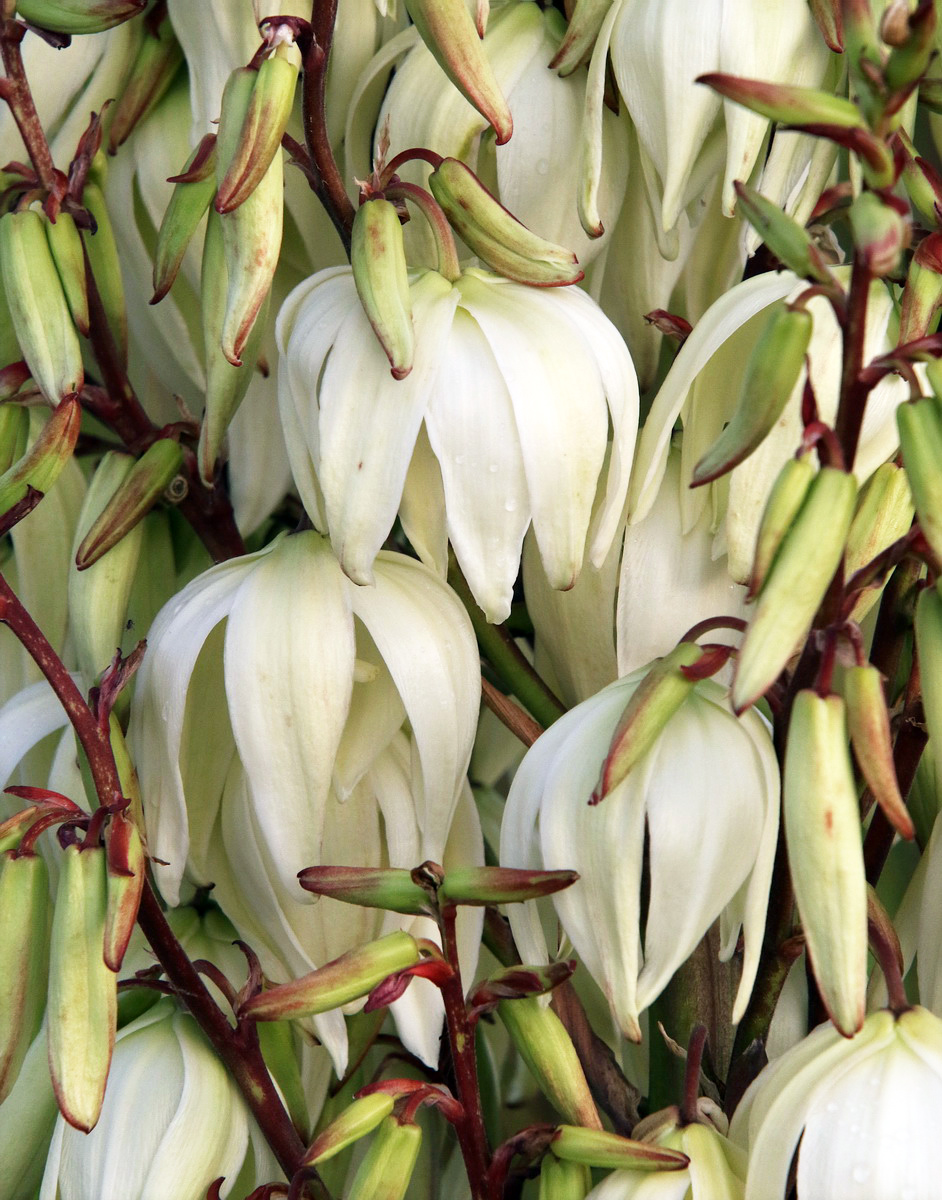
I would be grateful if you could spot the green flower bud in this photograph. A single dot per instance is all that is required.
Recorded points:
(65, 243)
(24, 958)
(78, 16)
(357, 1120)
(790, 242)
(884, 514)
(881, 233)
(788, 494)
(41, 465)
(869, 724)
(561, 1180)
(158, 58)
(598, 1148)
(105, 263)
(378, 259)
(501, 885)
(193, 192)
(391, 888)
(920, 436)
(386, 1169)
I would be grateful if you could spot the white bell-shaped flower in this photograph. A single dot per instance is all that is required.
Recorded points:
(172, 1122)
(706, 798)
(516, 387)
(863, 1110)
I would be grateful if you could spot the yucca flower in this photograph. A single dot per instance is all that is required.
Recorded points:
(704, 799)
(516, 387)
(860, 1112)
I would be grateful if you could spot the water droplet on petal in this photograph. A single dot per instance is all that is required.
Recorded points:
(510, 505)
(492, 468)
(459, 459)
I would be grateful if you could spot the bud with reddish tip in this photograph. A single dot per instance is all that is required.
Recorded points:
(78, 16)
(519, 982)
(357, 1120)
(598, 1148)
(41, 465)
(884, 514)
(193, 191)
(347, 978)
(155, 65)
(881, 233)
(24, 958)
(391, 888)
(787, 104)
(561, 1180)
(126, 865)
(920, 437)
(378, 259)
(387, 1167)
(495, 235)
(868, 721)
(922, 295)
(501, 885)
(822, 830)
(448, 30)
(789, 242)
(65, 244)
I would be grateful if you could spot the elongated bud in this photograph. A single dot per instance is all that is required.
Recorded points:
(545, 1046)
(38, 307)
(251, 232)
(501, 885)
(822, 828)
(787, 496)
(881, 234)
(787, 104)
(155, 65)
(65, 243)
(78, 16)
(884, 514)
(82, 1005)
(920, 436)
(193, 192)
(378, 259)
(448, 31)
(105, 263)
(928, 626)
(922, 295)
(24, 959)
(797, 580)
(583, 29)
(125, 857)
(790, 242)
(912, 51)
(264, 125)
(829, 16)
(390, 888)
(387, 1166)
(14, 433)
(495, 235)
(920, 180)
(774, 368)
(346, 978)
(135, 496)
(41, 465)
(356, 1121)
(598, 1148)
(561, 1180)
(869, 724)
(520, 982)
(655, 700)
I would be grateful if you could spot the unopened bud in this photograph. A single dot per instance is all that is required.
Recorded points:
(790, 242)
(105, 263)
(155, 65)
(193, 191)
(773, 371)
(346, 978)
(598, 1148)
(135, 496)
(501, 885)
(390, 888)
(561, 1180)
(78, 16)
(24, 957)
(126, 864)
(922, 295)
(655, 700)
(786, 104)
(912, 37)
(884, 514)
(519, 982)
(357, 1120)
(448, 31)
(65, 244)
(928, 626)
(386, 1169)
(881, 234)
(545, 1046)
(41, 465)
(584, 25)
(797, 580)
(82, 1005)
(822, 829)
(869, 724)
(495, 235)
(920, 436)
(378, 260)
(787, 496)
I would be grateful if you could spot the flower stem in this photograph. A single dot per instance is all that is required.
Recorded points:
(429, 207)
(16, 92)
(854, 390)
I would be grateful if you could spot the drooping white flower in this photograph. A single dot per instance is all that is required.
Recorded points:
(516, 387)
(861, 1113)
(706, 797)
(172, 1122)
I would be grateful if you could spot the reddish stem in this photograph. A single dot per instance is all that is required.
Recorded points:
(20, 100)
(854, 390)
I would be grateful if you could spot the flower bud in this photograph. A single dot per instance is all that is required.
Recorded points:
(347, 978)
(501, 885)
(378, 259)
(880, 233)
(659, 695)
(598, 1148)
(39, 311)
(82, 989)
(884, 514)
(357, 1120)
(796, 583)
(869, 724)
(774, 368)
(789, 242)
(447, 29)
(390, 888)
(386, 1170)
(24, 958)
(920, 436)
(929, 646)
(155, 65)
(545, 1046)
(584, 25)
(822, 829)
(788, 105)
(561, 1180)
(193, 190)
(105, 263)
(14, 428)
(913, 47)
(126, 866)
(133, 498)
(78, 16)
(788, 494)
(42, 464)
(263, 127)
(65, 244)
(495, 235)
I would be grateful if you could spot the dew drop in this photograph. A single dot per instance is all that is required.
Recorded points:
(510, 505)
(831, 1107)
(492, 468)
(860, 1173)
(459, 459)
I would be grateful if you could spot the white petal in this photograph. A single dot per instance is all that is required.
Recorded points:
(593, 128)
(422, 508)
(289, 670)
(472, 430)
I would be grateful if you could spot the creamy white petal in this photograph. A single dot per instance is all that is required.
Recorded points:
(472, 430)
(375, 715)
(422, 508)
(288, 690)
